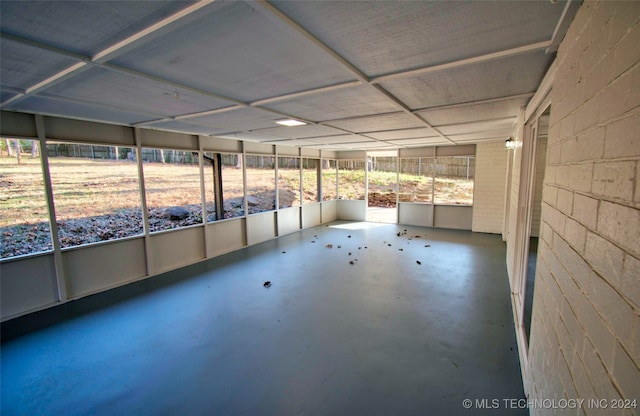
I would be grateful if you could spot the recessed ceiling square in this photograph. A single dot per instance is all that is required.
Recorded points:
(347, 102)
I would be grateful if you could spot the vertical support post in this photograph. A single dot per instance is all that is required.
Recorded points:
(397, 188)
(60, 278)
(217, 186)
(143, 202)
(468, 158)
(366, 185)
(277, 178)
(319, 180)
(203, 195)
(244, 179)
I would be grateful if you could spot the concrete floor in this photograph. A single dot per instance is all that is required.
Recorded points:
(384, 336)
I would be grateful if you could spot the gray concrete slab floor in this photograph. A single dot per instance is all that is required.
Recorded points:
(418, 323)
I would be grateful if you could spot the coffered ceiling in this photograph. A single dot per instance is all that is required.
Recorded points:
(362, 74)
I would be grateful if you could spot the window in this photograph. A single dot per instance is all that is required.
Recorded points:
(310, 180)
(351, 179)
(288, 182)
(329, 180)
(172, 187)
(261, 183)
(24, 223)
(95, 191)
(454, 180)
(224, 185)
(416, 179)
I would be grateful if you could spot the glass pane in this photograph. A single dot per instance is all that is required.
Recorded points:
(261, 183)
(351, 179)
(232, 185)
(95, 191)
(231, 181)
(172, 185)
(24, 223)
(383, 180)
(329, 188)
(288, 182)
(454, 180)
(209, 185)
(416, 179)
(310, 180)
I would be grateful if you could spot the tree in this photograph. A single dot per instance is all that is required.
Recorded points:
(9, 147)
(16, 143)
(34, 149)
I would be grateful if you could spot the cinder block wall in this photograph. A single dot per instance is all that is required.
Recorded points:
(489, 192)
(585, 340)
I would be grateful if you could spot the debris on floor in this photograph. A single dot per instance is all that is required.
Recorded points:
(283, 252)
(329, 246)
(351, 262)
(400, 249)
(418, 261)
(348, 236)
(267, 284)
(427, 245)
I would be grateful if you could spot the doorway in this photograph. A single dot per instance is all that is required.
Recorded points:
(539, 157)
(532, 170)
(382, 187)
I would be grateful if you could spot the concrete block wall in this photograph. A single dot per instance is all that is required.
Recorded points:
(489, 192)
(585, 337)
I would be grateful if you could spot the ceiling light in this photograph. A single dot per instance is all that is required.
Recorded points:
(289, 122)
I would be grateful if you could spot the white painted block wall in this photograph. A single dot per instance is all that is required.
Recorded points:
(585, 337)
(489, 187)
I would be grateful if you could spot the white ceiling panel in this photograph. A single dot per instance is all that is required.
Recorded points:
(44, 105)
(493, 79)
(243, 119)
(83, 27)
(300, 132)
(114, 88)
(233, 68)
(250, 136)
(345, 138)
(480, 111)
(292, 142)
(211, 53)
(186, 127)
(382, 37)
(368, 145)
(404, 134)
(7, 94)
(477, 126)
(377, 123)
(484, 135)
(348, 102)
(424, 141)
(23, 66)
